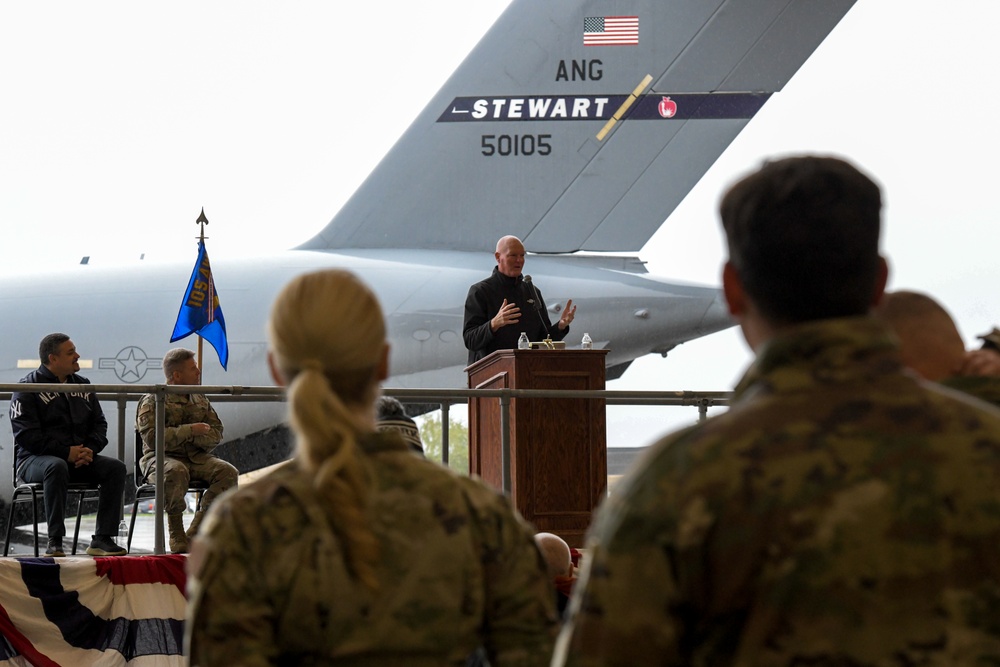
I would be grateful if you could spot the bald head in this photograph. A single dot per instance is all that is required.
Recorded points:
(510, 256)
(556, 553)
(929, 340)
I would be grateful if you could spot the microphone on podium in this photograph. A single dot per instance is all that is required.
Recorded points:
(538, 306)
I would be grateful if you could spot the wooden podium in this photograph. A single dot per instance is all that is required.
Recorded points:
(558, 446)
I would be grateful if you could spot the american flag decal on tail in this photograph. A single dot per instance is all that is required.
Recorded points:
(610, 30)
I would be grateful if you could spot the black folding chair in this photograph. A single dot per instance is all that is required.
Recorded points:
(144, 488)
(33, 492)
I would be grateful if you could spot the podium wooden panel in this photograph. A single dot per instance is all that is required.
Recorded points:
(558, 446)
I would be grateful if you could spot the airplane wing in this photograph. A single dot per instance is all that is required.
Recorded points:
(579, 124)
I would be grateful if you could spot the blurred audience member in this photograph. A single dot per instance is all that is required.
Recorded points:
(841, 512)
(929, 341)
(930, 344)
(986, 360)
(991, 340)
(559, 561)
(390, 415)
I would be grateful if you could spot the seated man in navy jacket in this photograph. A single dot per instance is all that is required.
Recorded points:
(58, 437)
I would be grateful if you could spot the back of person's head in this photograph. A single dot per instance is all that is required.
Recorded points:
(556, 553)
(50, 345)
(803, 235)
(327, 341)
(388, 407)
(174, 360)
(391, 417)
(929, 341)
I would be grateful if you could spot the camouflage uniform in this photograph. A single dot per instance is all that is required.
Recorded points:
(458, 568)
(985, 388)
(841, 512)
(187, 456)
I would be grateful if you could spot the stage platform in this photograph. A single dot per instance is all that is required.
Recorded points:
(78, 611)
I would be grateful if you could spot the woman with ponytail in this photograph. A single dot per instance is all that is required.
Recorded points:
(357, 550)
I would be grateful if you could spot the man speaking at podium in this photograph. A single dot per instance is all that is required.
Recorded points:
(499, 308)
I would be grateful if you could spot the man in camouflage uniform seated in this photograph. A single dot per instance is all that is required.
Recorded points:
(192, 431)
(841, 512)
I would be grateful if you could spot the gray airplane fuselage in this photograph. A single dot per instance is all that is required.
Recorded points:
(124, 333)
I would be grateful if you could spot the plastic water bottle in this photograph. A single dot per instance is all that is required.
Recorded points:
(122, 533)
(587, 343)
(522, 342)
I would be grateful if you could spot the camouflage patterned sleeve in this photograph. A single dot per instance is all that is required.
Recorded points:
(211, 440)
(625, 608)
(145, 422)
(520, 600)
(174, 437)
(181, 415)
(985, 388)
(229, 619)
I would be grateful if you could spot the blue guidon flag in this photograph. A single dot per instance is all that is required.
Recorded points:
(201, 312)
(88, 611)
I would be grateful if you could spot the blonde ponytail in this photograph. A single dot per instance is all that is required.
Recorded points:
(327, 339)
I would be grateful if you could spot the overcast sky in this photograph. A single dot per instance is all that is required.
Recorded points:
(120, 120)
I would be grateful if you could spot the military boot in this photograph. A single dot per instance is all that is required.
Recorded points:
(178, 540)
(195, 522)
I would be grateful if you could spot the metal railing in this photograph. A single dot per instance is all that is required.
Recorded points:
(122, 395)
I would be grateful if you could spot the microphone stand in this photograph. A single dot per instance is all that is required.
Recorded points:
(538, 309)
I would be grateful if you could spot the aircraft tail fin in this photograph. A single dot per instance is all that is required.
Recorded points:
(576, 130)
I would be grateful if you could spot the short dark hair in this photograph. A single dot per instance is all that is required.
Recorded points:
(50, 345)
(174, 359)
(803, 236)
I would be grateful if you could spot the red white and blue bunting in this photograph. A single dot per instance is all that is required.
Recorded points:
(71, 612)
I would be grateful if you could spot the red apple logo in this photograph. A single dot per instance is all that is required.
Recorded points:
(667, 107)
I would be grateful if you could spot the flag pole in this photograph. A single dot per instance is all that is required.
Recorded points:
(202, 220)
(200, 312)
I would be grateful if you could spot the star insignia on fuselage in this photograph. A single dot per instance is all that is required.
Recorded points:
(130, 364)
